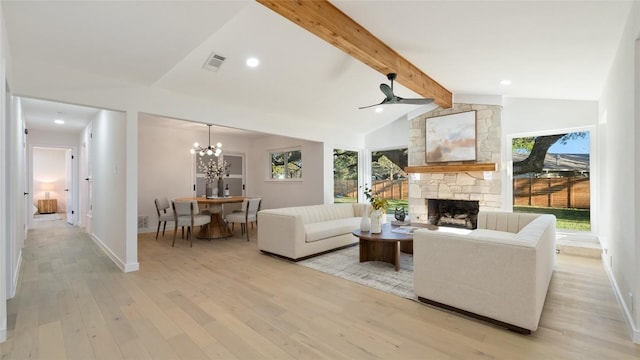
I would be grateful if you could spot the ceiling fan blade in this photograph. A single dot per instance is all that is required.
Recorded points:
(387, 91)
(423, 101)
(368, 106)
(390, 98)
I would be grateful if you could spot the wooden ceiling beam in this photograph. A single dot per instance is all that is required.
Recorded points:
(333, 26)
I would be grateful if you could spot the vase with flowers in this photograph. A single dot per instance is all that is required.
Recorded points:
(214, 170)
(378, 209)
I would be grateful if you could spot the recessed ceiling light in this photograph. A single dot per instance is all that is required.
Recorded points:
(505, 82)
(379, 109)
(58, 121)
(253, 62)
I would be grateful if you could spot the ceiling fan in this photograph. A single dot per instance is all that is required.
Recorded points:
(393, 99)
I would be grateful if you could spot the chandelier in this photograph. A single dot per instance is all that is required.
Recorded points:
(209, 150)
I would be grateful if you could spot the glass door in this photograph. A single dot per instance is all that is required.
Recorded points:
(235, 180)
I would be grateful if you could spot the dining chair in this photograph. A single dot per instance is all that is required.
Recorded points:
(186, 213)
(249, 214)
(163, 208)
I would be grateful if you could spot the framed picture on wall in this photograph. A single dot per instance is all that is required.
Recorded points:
(451, 138)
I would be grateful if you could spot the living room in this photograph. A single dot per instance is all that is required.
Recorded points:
(611, 116)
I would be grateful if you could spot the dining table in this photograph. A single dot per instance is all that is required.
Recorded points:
(218, 227)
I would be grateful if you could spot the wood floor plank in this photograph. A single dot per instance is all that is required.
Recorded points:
(264, 347)
(223, 299)
(51, 341)
(134, 350)
(186, 348)
(155, 344)
(189, 326)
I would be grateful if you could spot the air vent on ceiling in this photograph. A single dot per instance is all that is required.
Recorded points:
(214, 62)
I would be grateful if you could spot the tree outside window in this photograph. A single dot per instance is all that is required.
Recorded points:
(286, 164)
(551, 175)
(345, 176)
(388, 178)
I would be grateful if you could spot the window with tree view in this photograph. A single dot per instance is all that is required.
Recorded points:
(286, 164)
(345, 176)
(388, 179)
(551, 174)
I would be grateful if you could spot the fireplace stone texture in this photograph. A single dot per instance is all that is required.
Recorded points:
(485, 187)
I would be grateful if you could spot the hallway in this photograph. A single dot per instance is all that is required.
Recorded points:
(60, 262)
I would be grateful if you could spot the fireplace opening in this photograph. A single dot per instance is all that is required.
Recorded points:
(453, 213)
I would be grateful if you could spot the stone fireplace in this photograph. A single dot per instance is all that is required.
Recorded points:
(453, 213)
(481, 187)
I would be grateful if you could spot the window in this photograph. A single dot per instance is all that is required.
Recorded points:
(551, 174)
(286, 164)
(345, 176)
(388, 178)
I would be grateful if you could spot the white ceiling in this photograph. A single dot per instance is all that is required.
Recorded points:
(40, 115)
(548, 49)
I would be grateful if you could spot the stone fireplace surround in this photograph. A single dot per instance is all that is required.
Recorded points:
(485, 187)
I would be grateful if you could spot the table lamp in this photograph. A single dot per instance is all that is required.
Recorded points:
(47, 187)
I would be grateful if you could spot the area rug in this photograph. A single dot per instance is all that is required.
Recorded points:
(46, 217)
(345, 264)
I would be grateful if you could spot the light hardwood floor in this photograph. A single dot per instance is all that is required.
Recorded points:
(223, 299)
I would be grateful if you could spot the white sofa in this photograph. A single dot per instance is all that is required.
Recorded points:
(499, 272)
(300, 232)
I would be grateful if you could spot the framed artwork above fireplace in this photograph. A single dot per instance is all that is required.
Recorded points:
(451, 138)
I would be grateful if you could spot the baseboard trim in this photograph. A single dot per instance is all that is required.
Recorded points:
(499, 323)
(124, 267)
(628, 318)
(3, 335)
(132, 267)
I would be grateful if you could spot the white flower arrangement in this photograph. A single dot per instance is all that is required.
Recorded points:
(214, 169)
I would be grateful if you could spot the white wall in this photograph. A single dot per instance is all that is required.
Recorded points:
(53, 139)
(276, 194)
(49, 168)
(522, 116)
(393, 136)
(108, 157)
(619, 198)
(5, 118)
(15, 194)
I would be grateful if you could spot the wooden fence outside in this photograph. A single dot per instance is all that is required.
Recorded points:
(388, 189)
(564, 192)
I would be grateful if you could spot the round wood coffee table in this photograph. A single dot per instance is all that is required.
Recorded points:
(385, 246)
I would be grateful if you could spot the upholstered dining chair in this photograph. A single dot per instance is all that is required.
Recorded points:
(249, 214)
(186, 213)
(163, 207)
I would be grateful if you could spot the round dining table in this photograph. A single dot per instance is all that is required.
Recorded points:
(218, 227)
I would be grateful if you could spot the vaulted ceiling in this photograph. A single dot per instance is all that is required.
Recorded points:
(548, 49)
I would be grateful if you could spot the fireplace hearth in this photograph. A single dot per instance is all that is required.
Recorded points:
(453, 213)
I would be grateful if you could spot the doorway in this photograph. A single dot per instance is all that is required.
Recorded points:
(52, 184)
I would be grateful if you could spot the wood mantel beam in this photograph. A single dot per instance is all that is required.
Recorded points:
(333, 26)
